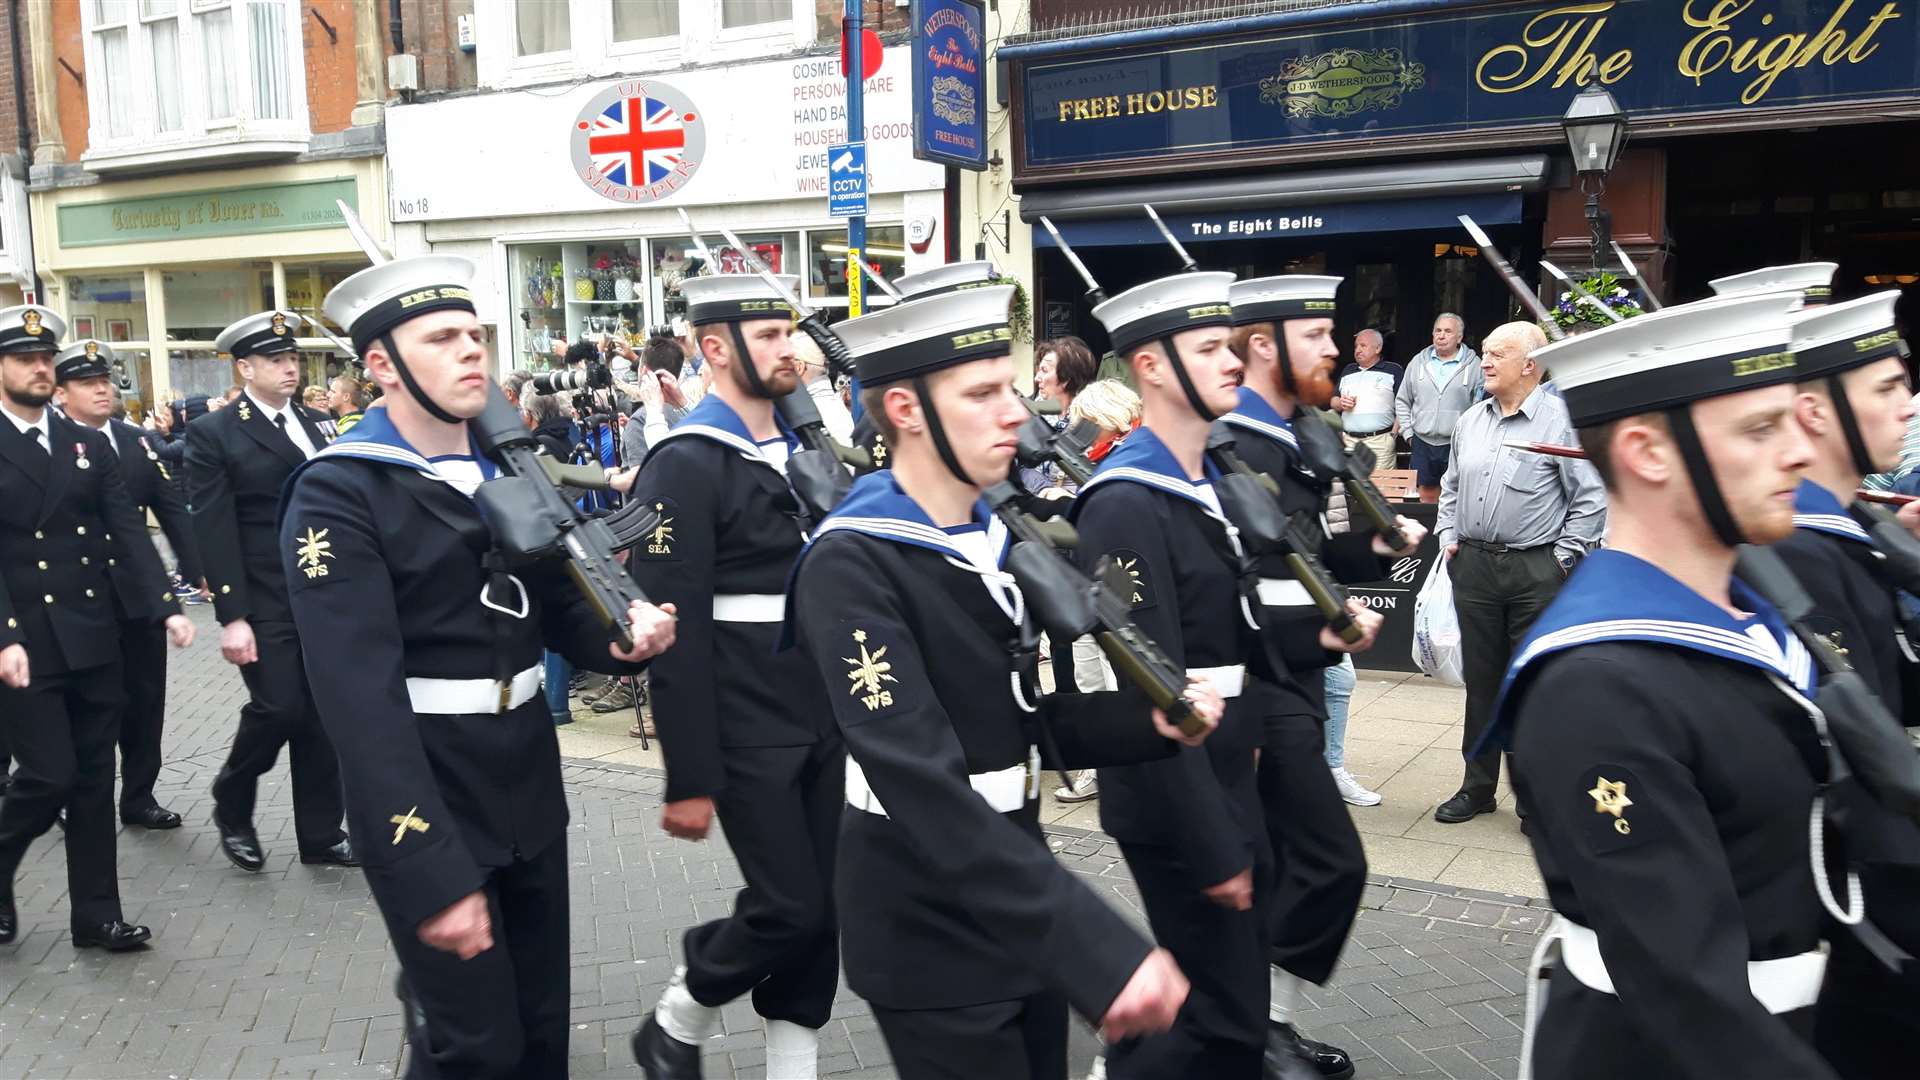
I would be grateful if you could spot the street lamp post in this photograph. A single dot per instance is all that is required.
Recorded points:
(1596, 131)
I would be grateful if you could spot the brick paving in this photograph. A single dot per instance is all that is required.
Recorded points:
(288, 973)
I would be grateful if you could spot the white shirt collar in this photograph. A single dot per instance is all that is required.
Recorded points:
(270, 413)
(42, 427)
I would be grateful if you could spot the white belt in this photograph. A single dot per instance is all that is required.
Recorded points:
(463, 697)
(1283, 592)
(1006, 790)
(1781, 985)
(750, 607)
(1228, 681)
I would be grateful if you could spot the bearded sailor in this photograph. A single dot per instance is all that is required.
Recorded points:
(1658, 713)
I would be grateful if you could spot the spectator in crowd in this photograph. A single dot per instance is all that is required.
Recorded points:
(1512, 524)
(347, 399)
(1438, 385)
(662, 402)
(232, 392)
(547, 418)
(514, 385)
(1064, 368)
(315, 397)
(1367, 389)
(819, 383)
(215, 404)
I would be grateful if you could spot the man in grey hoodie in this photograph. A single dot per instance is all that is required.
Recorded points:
(1441, 381)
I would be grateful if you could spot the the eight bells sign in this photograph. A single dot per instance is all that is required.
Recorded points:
(1486, 69)
(638, 141)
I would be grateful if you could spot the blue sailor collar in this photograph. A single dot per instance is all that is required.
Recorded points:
(1614, 596)
(1142, 458)
(876, 507)
(1815, 508)
(375, 438)
(1257, 414)
(714, 419)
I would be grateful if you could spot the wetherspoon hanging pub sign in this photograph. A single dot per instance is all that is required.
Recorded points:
(1483, 70)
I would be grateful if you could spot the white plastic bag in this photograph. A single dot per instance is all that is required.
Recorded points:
(1436, 629)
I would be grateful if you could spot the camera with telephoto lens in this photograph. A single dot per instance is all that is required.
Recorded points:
(596, 376)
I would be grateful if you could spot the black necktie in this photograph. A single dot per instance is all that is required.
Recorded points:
(33, 436)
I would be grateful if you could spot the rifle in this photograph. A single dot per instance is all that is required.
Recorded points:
(1327, 454)
(524, 509)
(1067, 448)
(1870, 739)
(1069, 604)
(1527, 297)
(1251, 501)
(816, 472)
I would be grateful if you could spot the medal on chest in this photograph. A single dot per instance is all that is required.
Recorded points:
(80, 456)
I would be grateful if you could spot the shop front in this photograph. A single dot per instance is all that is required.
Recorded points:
(1346, 139)
(159, 266)
(575, 221)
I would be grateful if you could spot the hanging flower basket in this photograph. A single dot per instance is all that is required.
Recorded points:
(1575, 312)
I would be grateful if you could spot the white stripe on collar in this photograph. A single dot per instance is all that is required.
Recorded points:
(1271, 431)
(1792, 662)
(745, 447)
(1838, 524)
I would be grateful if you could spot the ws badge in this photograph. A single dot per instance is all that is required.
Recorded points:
(1342, 82)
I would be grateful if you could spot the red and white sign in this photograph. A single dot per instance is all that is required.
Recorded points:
(638, 141)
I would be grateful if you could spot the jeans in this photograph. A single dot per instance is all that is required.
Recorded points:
(558, 675)
(1340, 680)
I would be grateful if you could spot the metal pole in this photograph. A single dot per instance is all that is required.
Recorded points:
(856, 131)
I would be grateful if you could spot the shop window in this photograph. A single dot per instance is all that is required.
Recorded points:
(735, 14)
(641, 20)
(541, 26)
(167, 76)
(307, 288)
(108, 308)
(201, 303)
(826, 269)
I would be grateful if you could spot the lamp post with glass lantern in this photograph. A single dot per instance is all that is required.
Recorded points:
(1596, 131)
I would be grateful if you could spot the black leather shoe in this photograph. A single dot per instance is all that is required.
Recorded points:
(152, 817)
(60, 818)
(1288, 1051)
(340, 854)
(1463, 807)
(115, 936)
(9, 920)
(663, 1057)
(242, 846)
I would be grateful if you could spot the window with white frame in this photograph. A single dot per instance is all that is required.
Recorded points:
(529, 41)
(167, 74)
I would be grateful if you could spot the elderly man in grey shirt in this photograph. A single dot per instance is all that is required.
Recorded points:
(1512, 523)
(1441, 381)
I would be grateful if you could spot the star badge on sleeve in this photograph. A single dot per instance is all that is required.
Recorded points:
(312, 552)
(1610, 797)
(868, 674)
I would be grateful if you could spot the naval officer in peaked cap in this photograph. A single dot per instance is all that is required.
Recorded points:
(238, 461)
(423, 644)
(75, 562)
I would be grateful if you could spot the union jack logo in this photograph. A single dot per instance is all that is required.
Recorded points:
(637, 140)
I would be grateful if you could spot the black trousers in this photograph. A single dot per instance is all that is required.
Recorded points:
(61, 730)
(143, 652)
(781, 812)
(1022, 1039)
(281, 713)
(502, 1014)
(1863, 1022)
(1320, 867)
(1496, 596)
(1221, 1031)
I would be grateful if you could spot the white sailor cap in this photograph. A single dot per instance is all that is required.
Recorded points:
(1829, 340)
(260, 334)
(910, 339)
(1165, 307)
(30, 327)
(1286, 296)
(84, 359)
(379, 298)
(942, 279)
(1813, 280)
(724, 298)
(1671, 357)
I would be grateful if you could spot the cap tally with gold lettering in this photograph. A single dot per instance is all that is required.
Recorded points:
(911, 339)
(1167, 306)
(1672, 357)
(945, 279)
(87, 358)
(30, 328)
(262, 334)
(728, 298)
(1813, 281)
(1840, 337)
(1287, 296)
(379, 298)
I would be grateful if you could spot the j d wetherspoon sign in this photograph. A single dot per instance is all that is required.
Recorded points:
(1486, 69)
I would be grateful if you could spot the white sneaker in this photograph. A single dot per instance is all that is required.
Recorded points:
(1353, 791)
(1082, 784)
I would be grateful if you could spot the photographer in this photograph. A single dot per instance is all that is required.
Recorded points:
(661, 402)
